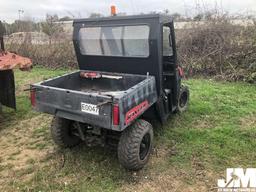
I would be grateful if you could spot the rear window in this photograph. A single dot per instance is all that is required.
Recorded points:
(122, 41)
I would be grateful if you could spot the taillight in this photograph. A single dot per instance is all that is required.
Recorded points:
(33, 97)
(115, 115)
(181, 72)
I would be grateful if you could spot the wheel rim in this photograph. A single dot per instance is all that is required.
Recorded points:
(145, 146)
(183, 99)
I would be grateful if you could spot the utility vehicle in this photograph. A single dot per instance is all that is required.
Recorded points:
(128, 74)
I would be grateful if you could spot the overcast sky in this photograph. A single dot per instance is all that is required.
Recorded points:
(37, 9)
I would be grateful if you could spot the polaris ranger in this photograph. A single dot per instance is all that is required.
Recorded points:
(128, 73)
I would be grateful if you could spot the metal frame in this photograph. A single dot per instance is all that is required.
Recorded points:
(7, 89)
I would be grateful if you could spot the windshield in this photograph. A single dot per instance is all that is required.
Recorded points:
(122, 41)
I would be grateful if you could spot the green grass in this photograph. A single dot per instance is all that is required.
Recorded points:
(212, 130)
(218, 131)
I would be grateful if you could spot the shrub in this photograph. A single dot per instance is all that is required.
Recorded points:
(215, 48)
(219, 48)
(55, 55)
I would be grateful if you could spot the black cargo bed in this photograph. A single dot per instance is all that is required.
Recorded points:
(106, 83)
(65, 96)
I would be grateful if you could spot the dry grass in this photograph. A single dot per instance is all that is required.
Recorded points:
(220, 49)
(57, 55)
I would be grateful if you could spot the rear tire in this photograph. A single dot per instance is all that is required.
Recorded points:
(135, 145)
(183, 99)
(61, 131)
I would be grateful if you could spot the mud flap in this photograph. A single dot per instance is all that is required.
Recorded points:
(7, 89)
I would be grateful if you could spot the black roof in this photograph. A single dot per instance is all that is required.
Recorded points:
(162, 18)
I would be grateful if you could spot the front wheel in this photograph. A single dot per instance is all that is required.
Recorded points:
(135, 145)
(183, 99)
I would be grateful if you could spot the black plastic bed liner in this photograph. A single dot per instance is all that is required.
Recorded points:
(91, 100)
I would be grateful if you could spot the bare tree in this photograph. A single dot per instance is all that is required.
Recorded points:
(51, 26)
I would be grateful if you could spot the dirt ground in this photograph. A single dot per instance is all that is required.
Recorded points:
(24, 151)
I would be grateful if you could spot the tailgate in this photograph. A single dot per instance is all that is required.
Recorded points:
(92, 108)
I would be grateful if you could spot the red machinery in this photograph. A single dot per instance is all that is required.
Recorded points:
(9, 61)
